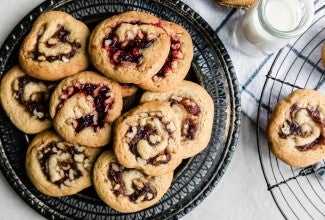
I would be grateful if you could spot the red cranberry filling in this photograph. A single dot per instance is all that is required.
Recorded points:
(39, 105)
(172, 56)
(156, 161)
(190, 129)
(126, 51)
(115, 176)
(189, 104)
(190, 125)
(47, 152)
(103, 102)
(296, 130)
(61, 35)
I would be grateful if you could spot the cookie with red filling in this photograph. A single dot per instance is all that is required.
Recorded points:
(195, 109)
(127, 190)
(59, 168)
(295, 130)
(177, 63)
(148, 138)
(130, 47)
(84, 106)
(25, 101)
(55, 47)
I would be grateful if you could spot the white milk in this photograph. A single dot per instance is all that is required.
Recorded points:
(271, 24)
(283, 15)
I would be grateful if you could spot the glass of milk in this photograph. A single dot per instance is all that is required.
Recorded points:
(269, 25)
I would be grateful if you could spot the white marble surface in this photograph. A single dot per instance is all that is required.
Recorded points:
(241, 193)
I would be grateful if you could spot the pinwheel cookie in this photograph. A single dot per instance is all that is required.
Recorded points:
(25, 100)
(238, 3)
(55, 47)
(58, 168)
(130, 47)
(296, 129)
(148, 138)
(177, 63)
(84, 106)
(194, 107)
(127, 190)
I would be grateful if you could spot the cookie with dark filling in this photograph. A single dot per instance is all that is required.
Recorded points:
(238, 3)
(59, 168)
(295, 130)
(55, 47)
(127, 189)
(148, 138)
(195, 109)
(25, 100)
(130, 47)
(84, 106)
(178, 62)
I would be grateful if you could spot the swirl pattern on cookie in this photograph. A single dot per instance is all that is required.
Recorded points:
(55, 47)
(129, 47)
(59, 168)
(177, 63)
(25, 100)
(296, 128)
(84, 106)
(194, 108)
(124, 189)
(148, 138)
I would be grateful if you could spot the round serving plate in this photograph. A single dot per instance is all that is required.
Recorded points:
(298, 192)
(196, 177)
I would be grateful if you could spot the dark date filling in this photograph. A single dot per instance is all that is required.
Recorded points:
(130, 51)
(143, 133)
(189, 125)
(47, 152)
(100, 93)
(296, 130)
(61, 35)
(40, 104)
(115, 176)
(172, 56)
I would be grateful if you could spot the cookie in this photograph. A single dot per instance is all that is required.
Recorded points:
(25, 101)
(295, 130)
(127, 190)
(130, 47)
(55, 47)
(177, 63)
(83, 108)
(148, 138)
(323, 54)
(59, 168)
(238, 3)
(194, 108)
(128, 89)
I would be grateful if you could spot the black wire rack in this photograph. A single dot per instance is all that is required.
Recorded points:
(299, 193)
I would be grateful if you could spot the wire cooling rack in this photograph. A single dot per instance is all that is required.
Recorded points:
(298, 193)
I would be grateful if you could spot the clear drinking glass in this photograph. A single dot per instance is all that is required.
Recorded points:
(269, 25)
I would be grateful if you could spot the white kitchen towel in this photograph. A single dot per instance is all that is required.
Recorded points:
(252, 70)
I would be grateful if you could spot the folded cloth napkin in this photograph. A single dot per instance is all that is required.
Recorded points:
(252, 69)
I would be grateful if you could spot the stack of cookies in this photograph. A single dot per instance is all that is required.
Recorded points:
(129, 158)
